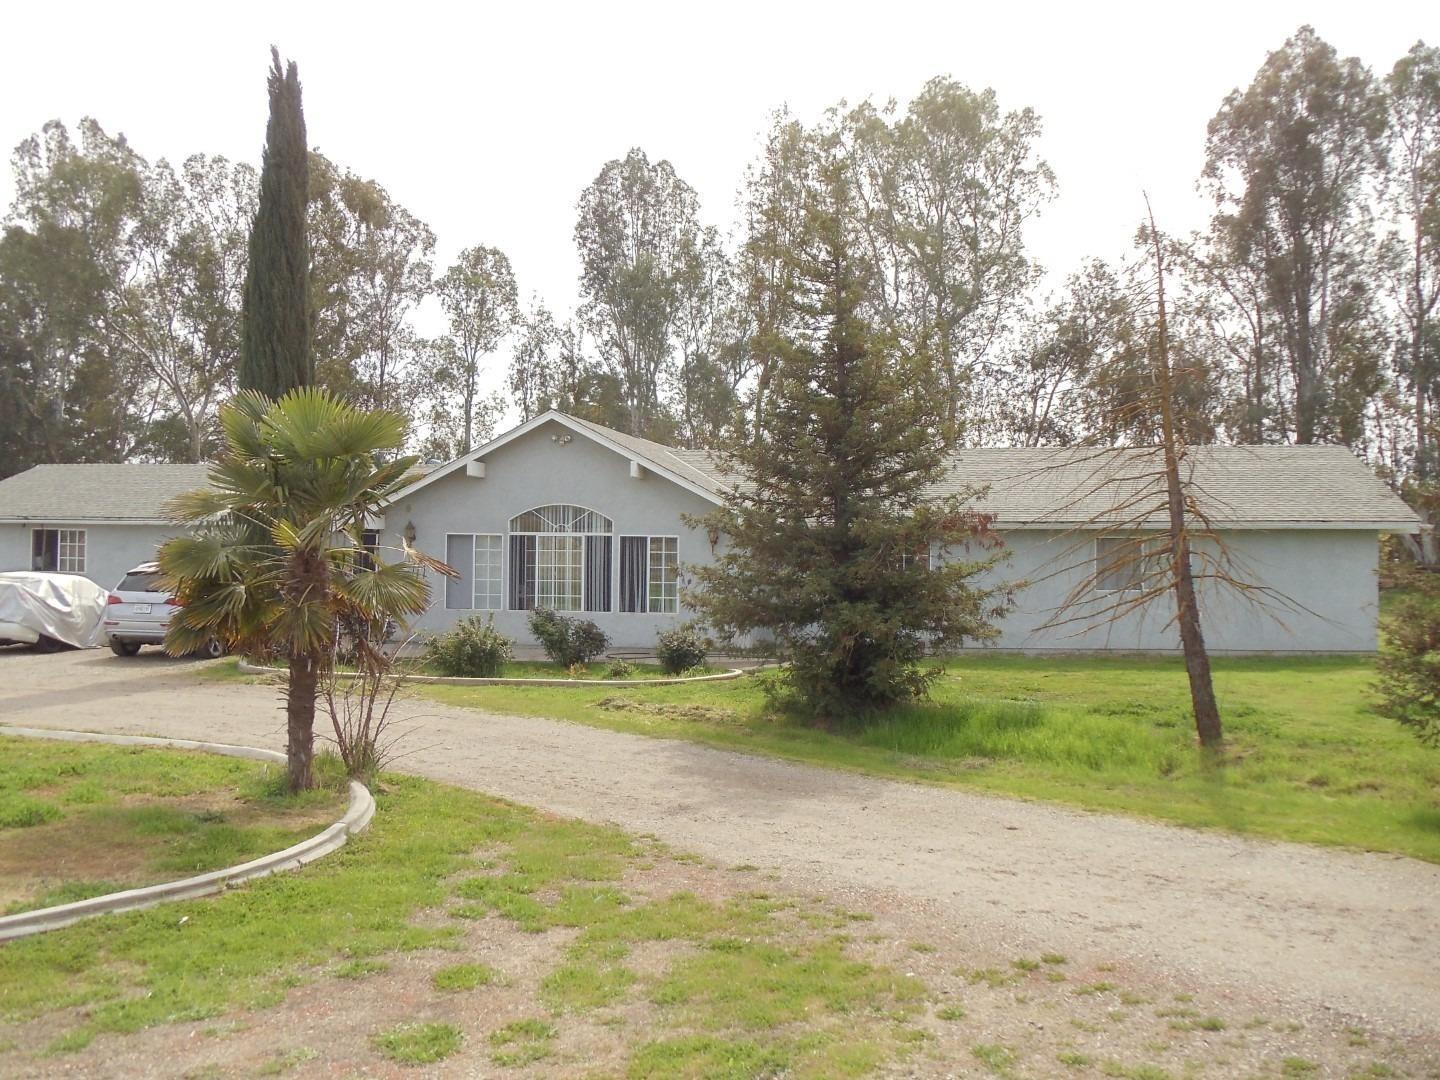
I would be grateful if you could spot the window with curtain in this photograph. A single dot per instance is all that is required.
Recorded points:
(560, 559)
(1121, 563)
(61, 550)
(650, 574)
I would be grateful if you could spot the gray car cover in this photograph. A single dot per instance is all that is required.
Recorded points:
(66, 607)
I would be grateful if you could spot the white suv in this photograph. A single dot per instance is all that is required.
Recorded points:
(138, 613)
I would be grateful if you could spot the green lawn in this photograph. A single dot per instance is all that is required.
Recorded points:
(81, 820)
(1307, 759)
(737, 966)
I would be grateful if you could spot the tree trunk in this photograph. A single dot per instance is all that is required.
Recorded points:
(1192, 640)
(300, 723)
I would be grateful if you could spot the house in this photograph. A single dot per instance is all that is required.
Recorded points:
(560, 512)
(563, 513)
(95, 520)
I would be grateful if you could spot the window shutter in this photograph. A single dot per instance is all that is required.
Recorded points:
(460, 554)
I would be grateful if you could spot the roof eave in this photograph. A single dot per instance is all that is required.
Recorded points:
(1389, 525)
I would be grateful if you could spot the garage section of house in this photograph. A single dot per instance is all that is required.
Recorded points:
(99, 521)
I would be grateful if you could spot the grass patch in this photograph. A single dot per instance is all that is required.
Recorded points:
(419, 1044)
(522, 1042)
(576, 987)
(459, 977)
(996, 1058)
(1308, 758)
(118, 817)
(246, 948)
(745, 981)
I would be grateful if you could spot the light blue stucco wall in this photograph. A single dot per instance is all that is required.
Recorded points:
(535, 470)
(1325, 580)
(110, 550)
(1325, 595)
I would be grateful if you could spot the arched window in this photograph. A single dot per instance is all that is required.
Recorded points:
(560, 559)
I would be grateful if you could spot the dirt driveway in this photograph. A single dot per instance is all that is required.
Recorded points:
(1323, 933)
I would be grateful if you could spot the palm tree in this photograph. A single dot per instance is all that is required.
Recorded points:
(274, 564)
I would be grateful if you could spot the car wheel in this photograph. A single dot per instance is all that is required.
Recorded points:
(48, 644)
(213, 649)
(124, 648)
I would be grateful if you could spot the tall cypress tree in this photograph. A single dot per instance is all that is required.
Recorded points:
(275, 353)
(829, 540)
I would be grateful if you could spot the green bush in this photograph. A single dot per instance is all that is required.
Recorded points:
(474, 649)
(681, 649)
(620, 669)
(1409, 667)
(567, 641)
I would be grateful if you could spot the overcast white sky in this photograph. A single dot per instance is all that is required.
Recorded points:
(486, 121)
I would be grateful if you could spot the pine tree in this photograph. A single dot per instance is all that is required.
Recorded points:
(828, 540)
(275, 352)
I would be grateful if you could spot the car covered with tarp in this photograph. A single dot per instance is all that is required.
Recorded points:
(51, 610)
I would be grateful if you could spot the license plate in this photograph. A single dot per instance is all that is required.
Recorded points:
(142, 609)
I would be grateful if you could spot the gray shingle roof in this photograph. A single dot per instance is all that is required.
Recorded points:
(96, 493)
(1295, 486)
(1234, 485)
(1251, 486)
(694, 465)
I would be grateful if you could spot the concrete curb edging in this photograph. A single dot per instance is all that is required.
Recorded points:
(357, 817)
(248, 668)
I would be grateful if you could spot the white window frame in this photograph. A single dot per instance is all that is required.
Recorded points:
(76, 542)
(71, 548)
(578, 523)
(493, 597)
(1146, 553)
(564, 555)
(475, 591)
(909, 559)
(648, 607)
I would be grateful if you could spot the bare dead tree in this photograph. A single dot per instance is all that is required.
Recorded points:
(1146, 500)
(1187, 611)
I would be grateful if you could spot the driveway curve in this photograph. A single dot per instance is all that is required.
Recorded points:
(1342, 933)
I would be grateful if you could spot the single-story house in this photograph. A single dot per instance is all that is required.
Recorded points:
(95, 520)
(563, 513)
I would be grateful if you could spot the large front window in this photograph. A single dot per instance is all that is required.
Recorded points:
(560, 559)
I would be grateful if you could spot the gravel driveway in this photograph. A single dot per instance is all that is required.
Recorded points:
(1315, 931)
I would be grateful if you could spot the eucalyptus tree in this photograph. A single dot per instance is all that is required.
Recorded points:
(1410, 254)
(179, 316)
(945, 190)
(1290, 164)
(65, 254)
(531, 375)
(481, 304)
(643, 256)
(371, 267)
